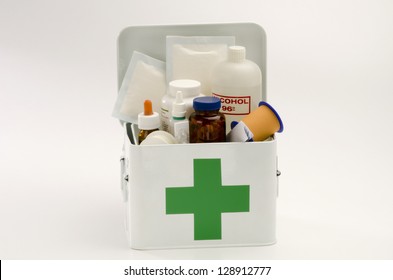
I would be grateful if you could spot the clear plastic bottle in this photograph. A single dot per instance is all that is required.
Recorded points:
(238, 83)
(190, 90)
(207, 124)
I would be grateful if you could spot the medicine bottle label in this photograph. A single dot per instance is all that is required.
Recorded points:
(165, 118)
(235, 105)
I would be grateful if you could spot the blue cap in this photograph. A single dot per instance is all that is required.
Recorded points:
(207, 103)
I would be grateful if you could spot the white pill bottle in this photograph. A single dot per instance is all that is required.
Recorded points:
(238, 83)
(189, 88)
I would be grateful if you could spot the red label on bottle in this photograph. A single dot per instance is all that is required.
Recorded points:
(235, 105)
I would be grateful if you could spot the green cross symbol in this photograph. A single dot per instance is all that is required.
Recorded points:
(207, 199)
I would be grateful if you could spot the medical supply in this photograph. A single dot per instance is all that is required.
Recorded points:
(189, 88)
(158, 138)
(148, 121)
(179, 124)
(207, 124)
(259, 125)
(144, 79)
(194, 57)
(167, 188)
(238, 83)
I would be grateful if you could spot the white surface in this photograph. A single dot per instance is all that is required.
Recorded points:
(330, 77)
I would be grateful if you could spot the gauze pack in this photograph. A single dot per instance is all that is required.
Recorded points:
(194, 57)
(144, 79)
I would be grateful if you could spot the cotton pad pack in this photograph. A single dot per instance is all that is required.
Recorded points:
(144, 79)
(194, 57)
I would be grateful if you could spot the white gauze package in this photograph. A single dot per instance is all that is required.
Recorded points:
(144, 79)
(194, 57)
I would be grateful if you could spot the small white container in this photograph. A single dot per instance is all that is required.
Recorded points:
(179, 124)
(189, 88)
(238, 83)
(159, 137)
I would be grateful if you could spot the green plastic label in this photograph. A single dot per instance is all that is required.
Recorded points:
(207, 199)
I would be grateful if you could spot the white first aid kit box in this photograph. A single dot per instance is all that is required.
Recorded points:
(197, 195)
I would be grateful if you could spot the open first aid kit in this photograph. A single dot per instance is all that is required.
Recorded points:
(204, 193)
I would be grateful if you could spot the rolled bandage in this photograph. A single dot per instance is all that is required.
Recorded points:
(259, 125)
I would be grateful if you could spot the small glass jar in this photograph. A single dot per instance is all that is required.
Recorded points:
(207, 124)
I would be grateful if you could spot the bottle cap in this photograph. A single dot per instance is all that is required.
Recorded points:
(148, 120)
(207, 103)
(236, 53)
(189, 88)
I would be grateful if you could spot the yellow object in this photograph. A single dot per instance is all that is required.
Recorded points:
(259, 125)
(263, 122)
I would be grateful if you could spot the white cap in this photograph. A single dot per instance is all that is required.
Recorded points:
(148, 122)
(148, 119)
(189, 88)
(179, 107)
(236, 53)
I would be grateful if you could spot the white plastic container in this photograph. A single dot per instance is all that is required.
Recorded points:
(179, 124)
(238, 82)
(189, 88)
(159, 137)
(162, 204)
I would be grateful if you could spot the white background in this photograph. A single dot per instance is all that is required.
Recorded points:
(330, 75)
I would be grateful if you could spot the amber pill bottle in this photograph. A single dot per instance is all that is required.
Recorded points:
(207, 124)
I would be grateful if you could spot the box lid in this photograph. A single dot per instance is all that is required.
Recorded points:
(151, 40)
